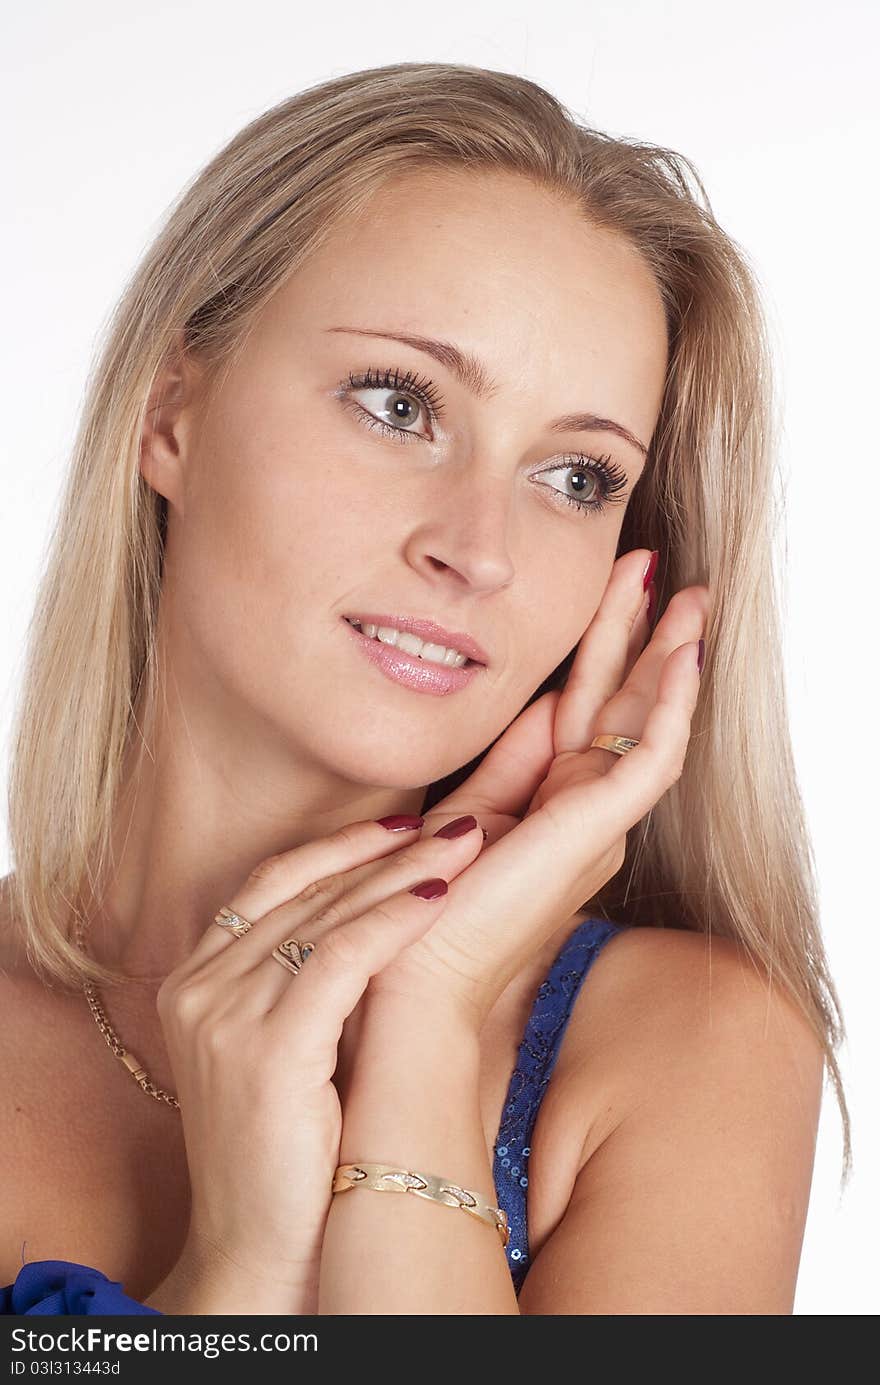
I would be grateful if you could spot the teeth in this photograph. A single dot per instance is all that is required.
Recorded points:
(411, 644)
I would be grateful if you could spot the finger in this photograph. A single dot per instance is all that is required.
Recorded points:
(547, 865)
(294, 872)
(600, 664)
(544, 848)
(510, 772)
(325, 992)
(513, 769)
(253, 978)
(641, 633)
(624, 715)
(638, 779)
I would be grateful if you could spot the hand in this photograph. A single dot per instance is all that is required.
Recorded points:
(564, 810)
(253, 1049)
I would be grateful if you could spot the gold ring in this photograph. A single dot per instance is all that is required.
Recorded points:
(292, 954)
(228, 919)
(618, 744)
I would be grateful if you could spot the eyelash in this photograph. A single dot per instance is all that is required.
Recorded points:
(610, 477)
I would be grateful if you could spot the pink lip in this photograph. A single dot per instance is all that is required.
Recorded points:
(429, 631)
(410, 670)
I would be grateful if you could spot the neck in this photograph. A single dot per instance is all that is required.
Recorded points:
(192, 821)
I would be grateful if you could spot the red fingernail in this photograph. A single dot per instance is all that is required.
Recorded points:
(430, 889)
(651, 568)
(701, 655)
(458, 827)
(399, 822)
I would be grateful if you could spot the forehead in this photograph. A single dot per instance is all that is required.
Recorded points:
(505, 269)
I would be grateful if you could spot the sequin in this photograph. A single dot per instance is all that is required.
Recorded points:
(535, 1061)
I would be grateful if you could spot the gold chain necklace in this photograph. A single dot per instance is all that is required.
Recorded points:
(134, 1066)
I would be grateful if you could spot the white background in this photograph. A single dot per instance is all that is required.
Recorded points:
(111, 107)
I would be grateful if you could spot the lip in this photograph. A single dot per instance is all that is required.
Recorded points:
(428, 631)
(420, 675)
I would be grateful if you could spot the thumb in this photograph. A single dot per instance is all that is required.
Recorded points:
(510, 773)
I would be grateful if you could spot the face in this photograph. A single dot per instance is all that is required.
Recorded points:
(337, 470)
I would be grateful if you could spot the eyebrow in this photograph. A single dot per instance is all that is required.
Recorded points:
(472, 374)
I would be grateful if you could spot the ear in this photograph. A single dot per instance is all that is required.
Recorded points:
(169, 424)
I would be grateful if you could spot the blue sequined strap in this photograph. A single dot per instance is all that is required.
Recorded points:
(536, 1059)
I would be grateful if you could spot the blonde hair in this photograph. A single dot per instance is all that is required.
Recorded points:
(726, 850)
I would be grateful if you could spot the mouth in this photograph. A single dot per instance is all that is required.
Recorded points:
(421, 639)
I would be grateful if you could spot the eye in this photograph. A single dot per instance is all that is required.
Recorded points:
(401, 401)
(608, 481)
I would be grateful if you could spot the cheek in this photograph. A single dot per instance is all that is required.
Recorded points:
(272, 520)
(564, 597)
(248, 554)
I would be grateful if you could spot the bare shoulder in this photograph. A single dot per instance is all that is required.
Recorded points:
(701, 1083)
(27, 1033)
(22, 1065)
(672, 965)
(670, 1009)
(687, 983)
(35, 1071)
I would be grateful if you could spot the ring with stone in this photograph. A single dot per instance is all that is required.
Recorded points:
(292, 954)
(228, 918)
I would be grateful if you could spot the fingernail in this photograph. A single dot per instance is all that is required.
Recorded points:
(651, 568)
(430, 889)
(652, 602)
(400, 822)
(701, 655)
(458, 827)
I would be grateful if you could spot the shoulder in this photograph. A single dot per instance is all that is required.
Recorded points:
(35, 1048)
(21, 1058)
(674, 1012)
(646, 982)
(699, 1083)
(23, 1007)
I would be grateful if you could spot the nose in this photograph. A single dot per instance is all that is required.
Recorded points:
(465, 529)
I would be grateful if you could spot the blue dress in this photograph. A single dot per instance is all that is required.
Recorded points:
(62, 1286)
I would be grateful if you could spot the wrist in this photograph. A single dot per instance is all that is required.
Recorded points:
(205, 1280)
(414, 1096)
(437, 1019)
(404, 1049)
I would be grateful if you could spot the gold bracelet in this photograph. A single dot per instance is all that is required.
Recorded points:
(388, 1178)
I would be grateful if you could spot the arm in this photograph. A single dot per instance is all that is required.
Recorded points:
(205, 1281)
(414, 1101)
(696, 1199)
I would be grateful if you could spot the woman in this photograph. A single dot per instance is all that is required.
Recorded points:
(431, 446)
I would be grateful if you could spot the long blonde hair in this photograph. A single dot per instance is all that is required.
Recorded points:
(726, 850)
